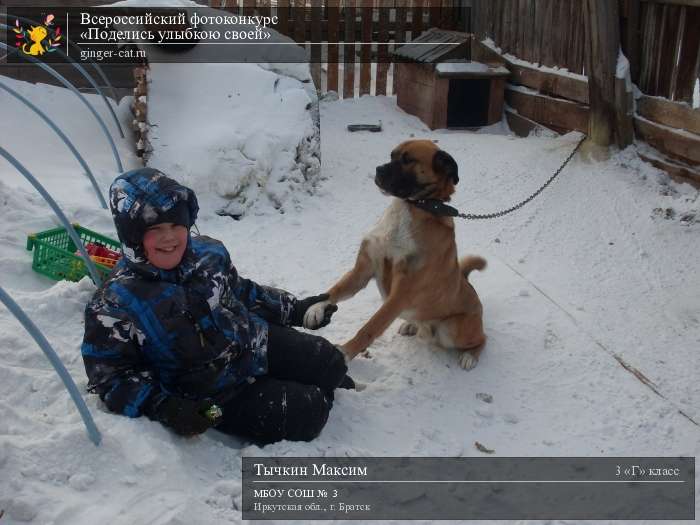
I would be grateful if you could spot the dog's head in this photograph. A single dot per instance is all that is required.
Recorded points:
(418, 170)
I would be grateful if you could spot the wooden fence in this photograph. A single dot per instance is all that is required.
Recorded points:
(666, 50)
(547, 32)
(661, 38)
(342, 63)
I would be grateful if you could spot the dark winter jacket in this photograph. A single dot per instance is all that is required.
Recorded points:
(197, 331)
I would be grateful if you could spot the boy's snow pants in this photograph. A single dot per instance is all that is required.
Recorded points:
(293, 400)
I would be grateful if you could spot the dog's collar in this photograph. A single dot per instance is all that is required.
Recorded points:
(435, 207)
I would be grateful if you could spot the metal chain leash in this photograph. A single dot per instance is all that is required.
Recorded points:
(476, 216)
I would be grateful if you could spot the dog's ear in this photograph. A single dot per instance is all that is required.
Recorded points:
(444, 163)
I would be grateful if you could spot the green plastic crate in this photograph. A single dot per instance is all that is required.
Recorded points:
(54, 253)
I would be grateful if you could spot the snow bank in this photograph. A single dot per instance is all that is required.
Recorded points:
(238, 134)
(243, 135)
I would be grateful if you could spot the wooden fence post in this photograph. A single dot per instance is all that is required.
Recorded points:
(608, 113)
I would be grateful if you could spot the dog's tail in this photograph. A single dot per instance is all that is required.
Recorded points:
(471, 262)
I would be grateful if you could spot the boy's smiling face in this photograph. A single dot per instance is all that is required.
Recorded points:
(165, 244)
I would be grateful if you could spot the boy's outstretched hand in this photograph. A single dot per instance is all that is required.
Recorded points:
(313, 312)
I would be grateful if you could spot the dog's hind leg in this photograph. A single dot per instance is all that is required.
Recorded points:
(465, 334)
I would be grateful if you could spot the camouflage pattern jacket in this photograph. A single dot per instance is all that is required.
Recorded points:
(197, 331)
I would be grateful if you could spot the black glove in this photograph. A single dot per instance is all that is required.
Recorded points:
(313, 312)
(187, 417)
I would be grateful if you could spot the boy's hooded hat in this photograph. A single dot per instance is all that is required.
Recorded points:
(143, 197)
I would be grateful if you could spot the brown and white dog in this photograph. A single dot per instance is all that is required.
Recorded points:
(412, 255)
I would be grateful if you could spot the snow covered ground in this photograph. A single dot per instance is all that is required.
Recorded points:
(600, 270)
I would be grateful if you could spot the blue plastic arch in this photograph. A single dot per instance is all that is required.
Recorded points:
(70, 86)
(57, 210)
(80, 70)
(63, 137)
(29, 326)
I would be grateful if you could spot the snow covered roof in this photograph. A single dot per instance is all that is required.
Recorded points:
(468, 69)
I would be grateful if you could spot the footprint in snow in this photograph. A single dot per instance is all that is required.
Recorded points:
(551, 340)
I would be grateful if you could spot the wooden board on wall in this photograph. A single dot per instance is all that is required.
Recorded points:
(689, 61)
(366, 13)
(550, 83)
(684, 146)
(316, 48)
(349, 54)
(549, 111)
(333, 38)
(678, 172)
(673, 114)
(382, 51)
(399, 38)
(522, 126)
(413, 97)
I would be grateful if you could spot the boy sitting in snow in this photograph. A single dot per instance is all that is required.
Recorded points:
(177, 335)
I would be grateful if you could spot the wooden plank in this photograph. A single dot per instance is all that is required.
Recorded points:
(417, 23)
(564, 33)
(507, 31)
(333, 36)
(283, 16)
(658, 41)
(366, 49)
(604, 36)
(434, 19)
(529, 21)
(299, 15)
(522, 15)
(647, 41)
(399, 36)
(263, 7)
(548, 110)
(633, 38)
(689, 61)
(571, 37)
(496, 21)
(672, 114)
(488, 19)
(522, 126)
(579, 29)
(496, 99)
(668, 51)
(413, 97)
(438, 111)
(317, 47)
(549, 83)
(248, 7)
(382, 51)
(349, 53)
(486, 55)
(624, 112)
(678, 172)
(422, 74)
(548, 36)
(676, 51)
(685, 146)
(541, 29)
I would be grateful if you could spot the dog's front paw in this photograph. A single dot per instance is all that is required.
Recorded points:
(408, 329)
(315, 315)
(467, 361)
